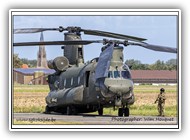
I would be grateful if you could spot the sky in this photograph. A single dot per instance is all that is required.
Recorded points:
(158, 30)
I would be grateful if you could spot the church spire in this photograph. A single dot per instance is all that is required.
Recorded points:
(41, 58)
(41, 37)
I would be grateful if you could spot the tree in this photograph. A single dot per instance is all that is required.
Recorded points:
(30, 63)
(136, 64)
(158, 65)
(17, 63)
(172, 64)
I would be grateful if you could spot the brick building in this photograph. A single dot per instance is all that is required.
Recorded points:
(35, 76)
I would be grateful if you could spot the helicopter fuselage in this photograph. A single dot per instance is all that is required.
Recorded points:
(78, 89)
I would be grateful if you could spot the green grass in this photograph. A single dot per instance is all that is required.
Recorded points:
(151, 110)
(31, 88)
(145, 110)
(154, 89)
(29, 109)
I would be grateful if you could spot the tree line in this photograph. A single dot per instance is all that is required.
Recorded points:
(158, 65)
(133, 64)
(18, 62)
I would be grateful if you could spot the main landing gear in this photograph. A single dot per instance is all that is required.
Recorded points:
(71, 110)
(124, 111)
(47, 110)
(100, 111)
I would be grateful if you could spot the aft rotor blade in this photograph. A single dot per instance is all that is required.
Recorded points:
(112, 35)
(155, 47)
(103, 65)
(76, 42)
(33, 30)
(78, 30)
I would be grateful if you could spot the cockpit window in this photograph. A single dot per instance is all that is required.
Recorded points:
(110, 74)
(126, 74)
(116, 74)
(119, 74)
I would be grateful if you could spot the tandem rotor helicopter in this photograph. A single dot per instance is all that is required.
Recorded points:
(106, 81)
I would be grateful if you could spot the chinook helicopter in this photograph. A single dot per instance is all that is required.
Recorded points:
(77, 87)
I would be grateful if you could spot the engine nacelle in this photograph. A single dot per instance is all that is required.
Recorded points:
(60, 63)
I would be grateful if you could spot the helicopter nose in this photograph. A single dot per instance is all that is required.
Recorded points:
(118, 91)
(118, 86)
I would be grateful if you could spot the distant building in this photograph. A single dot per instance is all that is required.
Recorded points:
(154, 76)
(35, 76)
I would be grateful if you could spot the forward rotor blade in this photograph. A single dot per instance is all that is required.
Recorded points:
(33, 30)
(112, 35)
(103, 65)
(76, 42)
(156, 47)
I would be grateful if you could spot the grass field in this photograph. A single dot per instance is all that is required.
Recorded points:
(31, 99)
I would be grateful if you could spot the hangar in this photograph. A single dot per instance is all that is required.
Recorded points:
(154, 76)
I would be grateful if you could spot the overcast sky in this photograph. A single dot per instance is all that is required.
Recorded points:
(158, 30)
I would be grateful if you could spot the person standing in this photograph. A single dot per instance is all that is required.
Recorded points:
(161, 102)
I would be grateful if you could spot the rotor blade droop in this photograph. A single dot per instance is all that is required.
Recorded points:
(155, 47)
(103, 64)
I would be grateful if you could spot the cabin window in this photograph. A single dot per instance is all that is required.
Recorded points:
(78, 80)
(87, 75)
(80, 55)
(71, 81)
(65, 82)
(56, 84)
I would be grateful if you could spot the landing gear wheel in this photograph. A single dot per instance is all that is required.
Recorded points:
(126, 112)
(120, 112)
(100, 111)
(74, 111)
(47, 110)
(69, 110)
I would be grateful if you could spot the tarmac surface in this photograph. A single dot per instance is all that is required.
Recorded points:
(94, 119)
